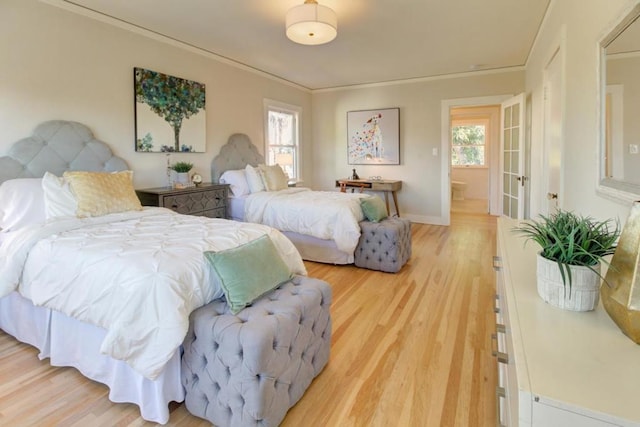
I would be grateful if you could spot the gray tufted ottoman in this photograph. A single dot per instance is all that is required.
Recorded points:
(249, 369)
(384, 245)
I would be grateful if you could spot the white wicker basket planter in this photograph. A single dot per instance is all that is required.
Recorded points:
(585, 287)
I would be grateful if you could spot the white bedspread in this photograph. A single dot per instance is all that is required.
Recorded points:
(138, 275)
(327, 215)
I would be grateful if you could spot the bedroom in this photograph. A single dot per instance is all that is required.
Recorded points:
(49, 72)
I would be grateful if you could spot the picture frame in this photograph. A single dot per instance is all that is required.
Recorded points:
(169, 113)
(373, 137)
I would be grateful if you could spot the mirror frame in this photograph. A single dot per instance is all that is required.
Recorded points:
(618, 191)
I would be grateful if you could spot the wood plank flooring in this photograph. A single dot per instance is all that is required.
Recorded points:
(408, 349)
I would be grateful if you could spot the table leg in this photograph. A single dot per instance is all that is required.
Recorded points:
(395, 202)
(386, 200)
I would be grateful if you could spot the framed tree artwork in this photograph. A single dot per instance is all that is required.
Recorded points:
(373, 137)
(169, 113)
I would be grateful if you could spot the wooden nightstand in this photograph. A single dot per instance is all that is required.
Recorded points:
(208, 200)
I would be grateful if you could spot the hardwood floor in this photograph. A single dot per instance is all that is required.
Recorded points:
(467, 206)
(408, 349)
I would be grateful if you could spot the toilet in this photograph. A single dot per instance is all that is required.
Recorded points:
(457, 190)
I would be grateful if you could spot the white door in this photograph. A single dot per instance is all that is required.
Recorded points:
(553, 133)
(512, 162)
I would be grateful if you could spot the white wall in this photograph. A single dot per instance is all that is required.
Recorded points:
(477, 180)
(56, 64)
(577, 27)
(420, 133)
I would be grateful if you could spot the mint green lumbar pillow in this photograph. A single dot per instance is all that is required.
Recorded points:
(373, 208)
(248, 271)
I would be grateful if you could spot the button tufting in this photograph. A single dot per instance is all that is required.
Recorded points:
(291, 345)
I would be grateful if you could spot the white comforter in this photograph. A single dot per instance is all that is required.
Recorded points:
(327, 215)
(138, 275)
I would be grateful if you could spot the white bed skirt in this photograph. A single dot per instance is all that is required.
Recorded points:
(318, 250)
(310, 248)
(69, 342)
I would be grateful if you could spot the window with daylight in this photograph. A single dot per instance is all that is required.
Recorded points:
(282, 123)
(468, 143)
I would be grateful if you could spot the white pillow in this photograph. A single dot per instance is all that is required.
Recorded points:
(22, 203)
(58, 198)
(237, 180)
(254, 178)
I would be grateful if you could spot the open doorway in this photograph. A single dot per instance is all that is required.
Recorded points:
(475, 148)
(447, 105)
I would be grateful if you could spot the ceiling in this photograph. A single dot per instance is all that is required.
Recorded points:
(378, 40)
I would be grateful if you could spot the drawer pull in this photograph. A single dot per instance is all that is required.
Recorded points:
(502, 357)
(497, 263)
(500, 394)
(496, 310)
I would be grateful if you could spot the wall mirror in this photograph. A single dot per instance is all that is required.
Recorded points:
(620, 106)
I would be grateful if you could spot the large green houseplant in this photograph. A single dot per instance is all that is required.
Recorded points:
(571, 246)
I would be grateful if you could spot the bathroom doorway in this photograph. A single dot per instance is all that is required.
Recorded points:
(475, 149)
(446, 107)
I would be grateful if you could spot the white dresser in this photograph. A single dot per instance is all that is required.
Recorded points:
(556, 367)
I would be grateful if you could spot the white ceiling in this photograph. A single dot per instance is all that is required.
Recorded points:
(378, 40)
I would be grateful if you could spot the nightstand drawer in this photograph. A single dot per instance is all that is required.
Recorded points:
(215, 213)
(208, 200)
(192, 203)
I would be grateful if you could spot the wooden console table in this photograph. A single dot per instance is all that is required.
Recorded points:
(385, 185)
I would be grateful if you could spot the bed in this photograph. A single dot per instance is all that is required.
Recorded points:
(323, 225)
(119, 326)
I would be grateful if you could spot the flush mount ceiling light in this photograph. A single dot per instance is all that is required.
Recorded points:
(311, 23)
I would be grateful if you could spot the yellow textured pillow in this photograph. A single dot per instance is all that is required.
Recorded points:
(274, 177)
(102, 193)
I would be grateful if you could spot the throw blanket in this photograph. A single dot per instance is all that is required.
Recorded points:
(328, 215)
(137, 274)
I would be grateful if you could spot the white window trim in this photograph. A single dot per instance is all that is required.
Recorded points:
(271, 104)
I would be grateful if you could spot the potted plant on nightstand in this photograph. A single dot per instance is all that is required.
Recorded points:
(573, 247)
(182, 171)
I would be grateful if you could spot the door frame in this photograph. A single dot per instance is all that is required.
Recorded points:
(445, 145)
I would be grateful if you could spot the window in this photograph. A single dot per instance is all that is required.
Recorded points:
(468, 143)
(282, 123)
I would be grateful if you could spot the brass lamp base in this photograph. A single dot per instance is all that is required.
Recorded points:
(620, 293)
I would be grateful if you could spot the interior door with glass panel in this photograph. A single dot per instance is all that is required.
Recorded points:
(512, 143)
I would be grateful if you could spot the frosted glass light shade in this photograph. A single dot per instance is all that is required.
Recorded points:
(311, 24)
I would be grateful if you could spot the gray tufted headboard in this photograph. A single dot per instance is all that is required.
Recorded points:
(57, 146)
(237, 153)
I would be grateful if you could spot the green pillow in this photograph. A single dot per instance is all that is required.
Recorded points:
(248, 271)
(373, 208)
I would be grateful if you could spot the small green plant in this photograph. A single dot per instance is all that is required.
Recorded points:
(571, 239)
(182, 167)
